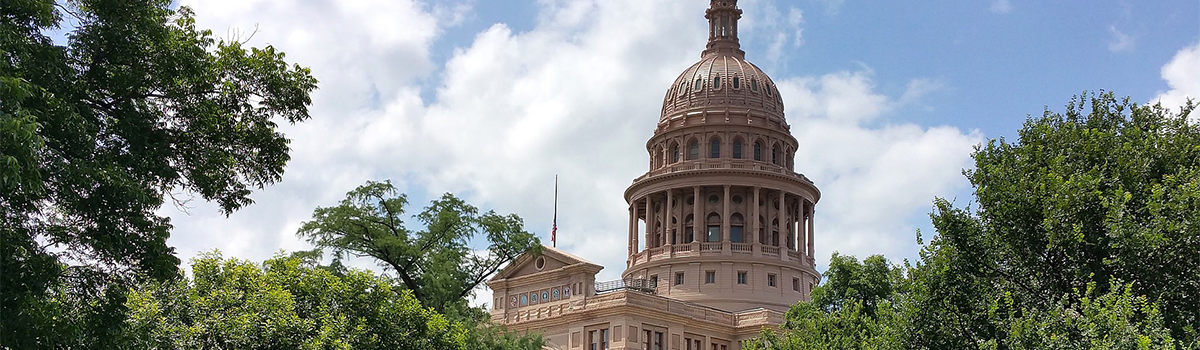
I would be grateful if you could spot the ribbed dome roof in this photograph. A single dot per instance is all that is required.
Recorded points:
(722, 81)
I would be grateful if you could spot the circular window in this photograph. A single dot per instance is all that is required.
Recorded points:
(714, 199)
(540, 263)
(737, 199)
(691, 200)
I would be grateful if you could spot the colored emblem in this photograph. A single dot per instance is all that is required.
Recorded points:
(566, 292)
(512, 301)
(545, 296)
(554, 294)
(533, 298)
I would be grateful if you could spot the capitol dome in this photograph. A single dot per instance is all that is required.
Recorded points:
(723, 79)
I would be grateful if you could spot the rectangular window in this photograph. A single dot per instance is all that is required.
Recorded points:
(714, 234)
(771, 280)
(597, 339)
(710, 277)
(678, 278)
(654, 281)
(796, 284)
(735, 234)
(646, 338)
(741, 277)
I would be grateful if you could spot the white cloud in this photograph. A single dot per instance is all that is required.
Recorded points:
(872, 179)
(1182, 75)
(1120, 41)
(1001, 6)
(577, 95)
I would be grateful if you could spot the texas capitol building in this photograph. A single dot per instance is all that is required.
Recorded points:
(720, 234)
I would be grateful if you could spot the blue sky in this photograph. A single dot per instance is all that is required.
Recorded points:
(489, 100)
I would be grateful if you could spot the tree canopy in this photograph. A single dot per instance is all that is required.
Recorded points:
(1083, 235)
(285, 303)
(435, 262)
(137, 105)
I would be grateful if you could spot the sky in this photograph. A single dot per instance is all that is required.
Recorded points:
(489, 100)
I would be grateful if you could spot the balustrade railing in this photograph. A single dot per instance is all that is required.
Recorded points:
(701, 165)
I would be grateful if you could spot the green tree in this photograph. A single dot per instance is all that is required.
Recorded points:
(435, 263)
(137, 105)
(855, 308)
(285, 303)
(1105, 194)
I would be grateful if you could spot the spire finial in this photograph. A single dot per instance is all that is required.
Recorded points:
(722, 18)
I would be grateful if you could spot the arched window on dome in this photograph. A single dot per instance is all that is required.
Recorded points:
(714, 148)
(714, 228)
(762, 229)
(754, 85)
(737, 149)
(689, 223)
(693, 150)
(775, 232)
(736, 223)
(716, 83)
(737, 84)
(758, 150)
(699, 84)
(775, 157)
(656, 157)
(674, 152)
(768, 88)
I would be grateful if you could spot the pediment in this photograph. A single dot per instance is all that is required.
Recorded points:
(550, 259)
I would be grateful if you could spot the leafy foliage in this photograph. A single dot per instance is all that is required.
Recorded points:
(1105, 194)
(1084, 236)
(137, 105)
(286, 303)
(856, 308)
(435, 263)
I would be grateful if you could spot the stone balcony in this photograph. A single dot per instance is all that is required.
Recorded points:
(729, 249)
(717, 164)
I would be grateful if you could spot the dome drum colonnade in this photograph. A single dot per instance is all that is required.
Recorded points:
(721, 186)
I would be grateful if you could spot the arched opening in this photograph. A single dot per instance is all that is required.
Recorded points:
(775, 232)
(754, 85)
(737, 84)
(737, 149)
(693, 150)
(714, 228)
(714, 148)
(699, 84)
(716, 82)
(735, 228)
(762, 229)
(656, 158)
(758, 150)
(688, 228)
(674, 152)
(775, 158)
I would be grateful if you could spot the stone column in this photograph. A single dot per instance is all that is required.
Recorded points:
(755, 226)
(725, 217)
(697, 216)
(812, 211)
(649, 226)
(631, 229)
(667, 213)
(781, 215)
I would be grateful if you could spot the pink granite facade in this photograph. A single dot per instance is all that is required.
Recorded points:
(720, 228)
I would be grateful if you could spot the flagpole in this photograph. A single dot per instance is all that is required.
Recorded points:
(554, 228)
